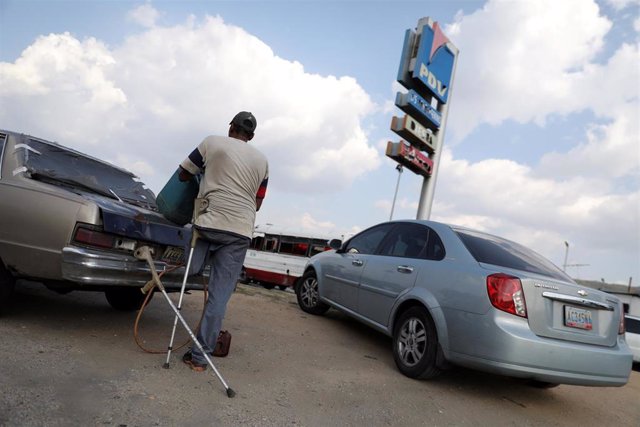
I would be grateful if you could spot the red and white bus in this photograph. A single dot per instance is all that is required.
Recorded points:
(278, 257)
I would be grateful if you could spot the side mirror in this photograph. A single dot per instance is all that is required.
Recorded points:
(335, 244)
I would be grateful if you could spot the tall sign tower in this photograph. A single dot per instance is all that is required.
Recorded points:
(427, 68)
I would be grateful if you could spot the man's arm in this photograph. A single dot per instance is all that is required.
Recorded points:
(193, 164)
(262, 192)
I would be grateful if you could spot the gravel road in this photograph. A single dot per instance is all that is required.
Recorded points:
(71, 360)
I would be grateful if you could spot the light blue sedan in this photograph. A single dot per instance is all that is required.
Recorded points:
(451, 295)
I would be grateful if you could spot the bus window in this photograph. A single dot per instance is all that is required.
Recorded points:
(291, 247)
(257, 243)
(271, 244)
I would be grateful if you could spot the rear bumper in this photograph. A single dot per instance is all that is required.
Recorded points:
(503, 344)
(89, 267)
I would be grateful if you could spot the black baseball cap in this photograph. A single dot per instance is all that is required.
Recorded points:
(245, 121)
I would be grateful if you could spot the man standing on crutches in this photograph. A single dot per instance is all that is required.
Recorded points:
(234, 182)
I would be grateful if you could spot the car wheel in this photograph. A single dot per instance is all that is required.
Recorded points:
(282, 287)
(268, 286)
(308, 295)
(243, 276)
(7, 284)
(415, 344)
(125, 299)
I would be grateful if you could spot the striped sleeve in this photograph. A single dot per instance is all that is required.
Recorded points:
(195, 162)
(262, 191)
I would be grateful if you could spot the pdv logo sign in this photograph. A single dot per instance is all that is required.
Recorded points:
(434, 62)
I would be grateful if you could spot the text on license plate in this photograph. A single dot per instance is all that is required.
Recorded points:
(577, 318)
(173, 255)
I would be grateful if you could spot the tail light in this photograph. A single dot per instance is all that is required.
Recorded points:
(93, 238)
(506, 294)
(87, 235)
(621, 328)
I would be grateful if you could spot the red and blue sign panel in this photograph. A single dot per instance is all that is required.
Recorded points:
(434, 62)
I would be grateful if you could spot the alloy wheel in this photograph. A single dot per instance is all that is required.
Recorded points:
(309, 292)
(412, 341)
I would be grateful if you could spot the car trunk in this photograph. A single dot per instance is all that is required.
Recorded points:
(566, 311)
(139, 223)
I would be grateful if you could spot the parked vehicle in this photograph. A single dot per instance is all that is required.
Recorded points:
(278, 257)
(451, 294)
(72, 222)
(631, 304)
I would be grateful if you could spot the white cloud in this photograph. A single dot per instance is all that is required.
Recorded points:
(521, 61)
(145, 15)
(621, 4)
(60, 80)
(535, 60)
(505, 198)
(164, 89)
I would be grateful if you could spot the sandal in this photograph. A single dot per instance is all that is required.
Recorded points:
(187, 358)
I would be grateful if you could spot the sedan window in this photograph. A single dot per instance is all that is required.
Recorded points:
(494, 250)
(407, 241)
(368, 241)
(413, 241)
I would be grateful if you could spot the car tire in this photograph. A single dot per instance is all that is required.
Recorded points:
(7, 285)
(415, 344)
(243, 276)
(308, 296)
(282, 287)
(125, 299)
(268, 286)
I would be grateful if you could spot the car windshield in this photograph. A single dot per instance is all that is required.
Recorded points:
(59, 165)
(494, 250)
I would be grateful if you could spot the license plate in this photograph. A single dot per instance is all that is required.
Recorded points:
(173, 255)
(577, 318)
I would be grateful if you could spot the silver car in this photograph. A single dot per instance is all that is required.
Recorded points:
(71, 221)
(451, 295)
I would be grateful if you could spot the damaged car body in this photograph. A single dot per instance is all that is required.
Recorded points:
(72, 222)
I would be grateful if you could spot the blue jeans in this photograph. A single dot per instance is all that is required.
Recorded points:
(225, 253)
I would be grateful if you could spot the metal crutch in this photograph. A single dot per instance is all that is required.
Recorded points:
(199, 206)
(144, 253)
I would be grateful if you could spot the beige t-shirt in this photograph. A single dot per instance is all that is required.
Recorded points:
(235, 173)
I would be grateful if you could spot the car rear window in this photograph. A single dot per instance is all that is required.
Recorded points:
(56, 164)
(494, 250)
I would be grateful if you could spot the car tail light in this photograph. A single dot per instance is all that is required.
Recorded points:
(93, 238)
(621, 328)
(506, 294)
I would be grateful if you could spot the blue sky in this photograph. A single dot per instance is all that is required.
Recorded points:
(542, 144)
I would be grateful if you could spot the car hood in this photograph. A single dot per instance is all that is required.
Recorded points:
(139, 223)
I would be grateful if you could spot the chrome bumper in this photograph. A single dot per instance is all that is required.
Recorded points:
(91, 267)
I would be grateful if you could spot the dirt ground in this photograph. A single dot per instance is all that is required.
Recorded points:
(71, 360)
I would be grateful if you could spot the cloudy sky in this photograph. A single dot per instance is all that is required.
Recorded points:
(542, 144)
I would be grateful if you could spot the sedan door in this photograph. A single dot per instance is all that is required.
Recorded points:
(341, 272)
(393, 271)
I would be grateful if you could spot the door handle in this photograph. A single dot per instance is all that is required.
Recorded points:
(357, 262)
(405, 269)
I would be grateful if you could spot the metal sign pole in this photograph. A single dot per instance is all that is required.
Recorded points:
(429, 182)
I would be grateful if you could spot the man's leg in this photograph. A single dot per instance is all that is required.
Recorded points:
(226, 259)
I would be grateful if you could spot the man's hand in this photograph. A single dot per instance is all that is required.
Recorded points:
(184, 175)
